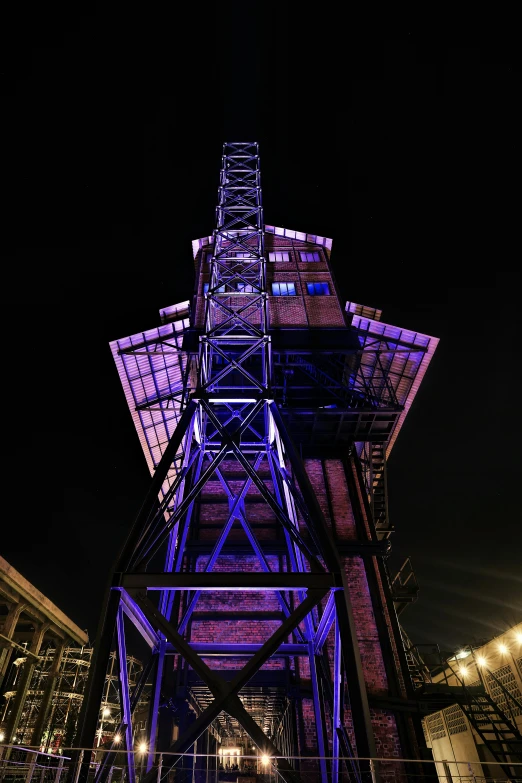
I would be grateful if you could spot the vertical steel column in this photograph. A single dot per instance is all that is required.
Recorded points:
(94, 689)
(126, 714)
(155, 703)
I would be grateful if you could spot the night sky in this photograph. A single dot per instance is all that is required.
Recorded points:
(404, 148)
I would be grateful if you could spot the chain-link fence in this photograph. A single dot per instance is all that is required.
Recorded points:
(24, 765)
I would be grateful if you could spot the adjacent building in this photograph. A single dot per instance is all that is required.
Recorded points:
(480, 733)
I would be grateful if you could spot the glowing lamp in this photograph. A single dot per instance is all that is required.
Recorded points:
(463, 671)
(117, 738)
(481, 660)
(106, 712)
(142, 747)
(502, 649)
(518, 637)
(265, 759)
(2, 736)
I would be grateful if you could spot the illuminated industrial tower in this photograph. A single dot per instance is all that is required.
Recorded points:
(255, 570)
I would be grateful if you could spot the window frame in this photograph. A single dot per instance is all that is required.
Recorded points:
(278, 260)
(322, 283)
(284, 283)
(317, 260)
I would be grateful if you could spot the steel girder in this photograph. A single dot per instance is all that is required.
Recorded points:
(232, 417)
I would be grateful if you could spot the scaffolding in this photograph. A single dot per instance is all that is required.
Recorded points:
(67, 679)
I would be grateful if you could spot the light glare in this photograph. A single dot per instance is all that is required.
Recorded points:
(518, 637)
(463, 671)
(106, 712)
(117, 738)
(142, 747)
(481, 660)
(502, 649)
(265, 759)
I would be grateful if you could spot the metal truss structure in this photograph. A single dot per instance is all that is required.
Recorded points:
(226, 423)
(61, 676)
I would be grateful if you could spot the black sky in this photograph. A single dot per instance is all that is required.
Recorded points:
(404, 147)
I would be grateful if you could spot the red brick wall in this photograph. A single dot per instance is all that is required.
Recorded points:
(329, 482)
(299, 310)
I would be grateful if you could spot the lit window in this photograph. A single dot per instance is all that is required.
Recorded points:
(220, 290)
(318, 289)
(278, 256)
(283, 289)
(245, 288)
(314, 256)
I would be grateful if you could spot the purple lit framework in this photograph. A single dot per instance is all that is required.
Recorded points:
(197, 407)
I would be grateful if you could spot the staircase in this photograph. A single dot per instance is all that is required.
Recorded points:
(379, 500)
(419, 672)
(498, 733)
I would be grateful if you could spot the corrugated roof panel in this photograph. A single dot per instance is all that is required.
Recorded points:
(404, 369)
(154, 369)
(315, 239)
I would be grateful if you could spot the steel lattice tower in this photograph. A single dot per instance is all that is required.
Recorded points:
(273, 557)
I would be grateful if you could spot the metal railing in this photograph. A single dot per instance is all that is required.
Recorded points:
(27, 765)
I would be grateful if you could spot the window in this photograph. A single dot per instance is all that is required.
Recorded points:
(244, 288)
(314, 256)
(318, 289)
(220, 290)
(208, 257)
(278, 256)
(283, 289)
